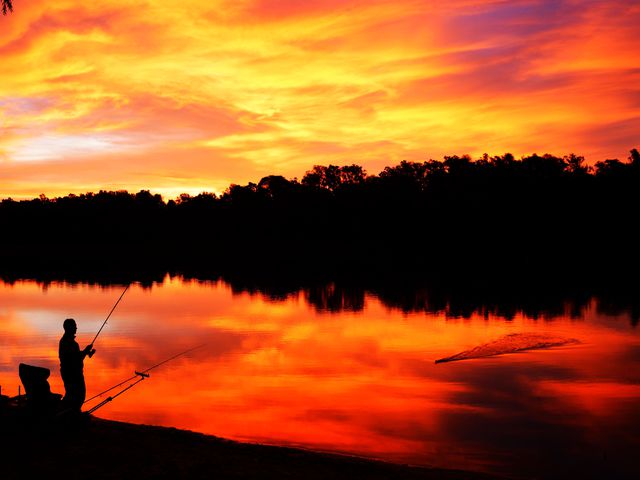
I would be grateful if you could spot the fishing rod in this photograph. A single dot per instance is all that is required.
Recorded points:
(109, 399)
(105, 320)
(143, 374)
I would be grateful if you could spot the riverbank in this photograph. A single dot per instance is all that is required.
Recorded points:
(104, 449)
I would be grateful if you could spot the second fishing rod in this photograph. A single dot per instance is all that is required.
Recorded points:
(143, 373)
(140, 376)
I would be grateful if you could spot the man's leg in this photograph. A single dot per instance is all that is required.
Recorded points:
(75, 392)
(82, 391)
(66, 380)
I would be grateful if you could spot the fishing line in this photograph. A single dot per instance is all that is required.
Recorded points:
(114, 307)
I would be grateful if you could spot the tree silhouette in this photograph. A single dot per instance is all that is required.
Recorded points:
(6, 6)
(275, 186)
(333, 177)
(323, 177)
(575, 164)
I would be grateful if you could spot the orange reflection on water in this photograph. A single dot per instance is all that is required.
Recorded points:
(362, 382)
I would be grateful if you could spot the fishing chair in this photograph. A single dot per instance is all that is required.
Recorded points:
(40, 400)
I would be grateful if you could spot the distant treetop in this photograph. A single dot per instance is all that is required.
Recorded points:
(6, 6)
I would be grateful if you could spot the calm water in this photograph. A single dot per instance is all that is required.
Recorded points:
(349, 374)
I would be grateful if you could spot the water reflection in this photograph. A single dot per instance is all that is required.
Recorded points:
(464, 299)
(352, 369)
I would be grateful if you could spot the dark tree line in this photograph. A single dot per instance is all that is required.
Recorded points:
(545, 217)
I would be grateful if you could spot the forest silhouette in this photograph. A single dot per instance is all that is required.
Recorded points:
(539, 218)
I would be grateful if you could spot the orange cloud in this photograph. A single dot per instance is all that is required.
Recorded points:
(195, 96)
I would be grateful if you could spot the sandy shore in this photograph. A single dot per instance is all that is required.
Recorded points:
(102, 449)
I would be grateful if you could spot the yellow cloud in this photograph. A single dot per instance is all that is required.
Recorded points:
(249, 88)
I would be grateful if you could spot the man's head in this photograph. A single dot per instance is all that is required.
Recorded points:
(70, 326)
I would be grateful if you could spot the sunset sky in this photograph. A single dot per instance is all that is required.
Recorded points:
(194, 95)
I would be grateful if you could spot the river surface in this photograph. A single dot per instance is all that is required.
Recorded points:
(352, 373)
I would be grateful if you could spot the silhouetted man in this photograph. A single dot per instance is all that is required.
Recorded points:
(72, 366)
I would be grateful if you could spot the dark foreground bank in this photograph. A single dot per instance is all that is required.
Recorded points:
(102, 449)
